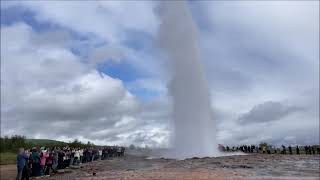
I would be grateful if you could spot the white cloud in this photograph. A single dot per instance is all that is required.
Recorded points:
(107, 19)
(262, 51)
(45, 87)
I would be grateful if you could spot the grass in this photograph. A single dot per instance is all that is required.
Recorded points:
(7, 158)
(42, 141)
(10, 157)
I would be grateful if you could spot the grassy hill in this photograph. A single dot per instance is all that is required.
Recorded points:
(9, 156)
(43, 141)
(10, 145)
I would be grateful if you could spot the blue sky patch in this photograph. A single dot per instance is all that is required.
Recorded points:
(122, 70)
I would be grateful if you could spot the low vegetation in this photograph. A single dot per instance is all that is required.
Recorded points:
(7, 158)
(10, 145)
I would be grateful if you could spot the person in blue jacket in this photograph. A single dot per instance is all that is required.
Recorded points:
(22, 158)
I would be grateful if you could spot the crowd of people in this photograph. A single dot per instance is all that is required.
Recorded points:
(265, 149)
(243, 148)
(45, 161)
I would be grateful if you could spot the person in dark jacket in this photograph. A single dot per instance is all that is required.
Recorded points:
(35, 162)
(290, 150)
(60, 160)
(22, 159)
(284, 151)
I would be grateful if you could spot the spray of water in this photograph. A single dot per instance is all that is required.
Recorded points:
(194, 128)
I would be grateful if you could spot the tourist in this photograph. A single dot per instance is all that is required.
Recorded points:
(122, 151)
(109, 150)
(309, 149)
(43, 157)
(264, 149)
(22, 159)
(67, 157)
(35, 162)
(72, 151)
(26, 173)
(306, 149)
(60, 159)
(76, 157)
(87, 155)
(49, 163)
(100, 153)
(91, 156)
(290, 150)
(55, 159)
(313, 150)
(104, 153)
(227, 148)
(269, 149)
(81, 155)
(297, 150)
(284, 151)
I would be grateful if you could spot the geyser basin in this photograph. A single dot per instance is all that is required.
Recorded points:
(194, 128)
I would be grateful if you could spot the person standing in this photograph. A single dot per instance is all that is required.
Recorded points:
(81, 155)
(297, 150)
(35, 162)
(122, 151)
(118, 151)
(43, 157)
(21, 162)
(60, 159)
(26, 170)
(284, 151)
(290, 149)
(54, 158)
(306, 149)
(313, 150)
(100, 154)
(76, 157)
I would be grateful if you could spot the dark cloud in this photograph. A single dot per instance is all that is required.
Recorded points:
(267, 112)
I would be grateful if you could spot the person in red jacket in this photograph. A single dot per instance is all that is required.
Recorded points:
(43, 157)
(49, 162)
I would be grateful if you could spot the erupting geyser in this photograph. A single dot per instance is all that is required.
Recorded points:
(194, 128)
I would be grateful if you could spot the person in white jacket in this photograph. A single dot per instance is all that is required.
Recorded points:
(76, 157)
(81, 155)
(100, 153)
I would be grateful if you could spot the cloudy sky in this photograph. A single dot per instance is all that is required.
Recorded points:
(92, 71)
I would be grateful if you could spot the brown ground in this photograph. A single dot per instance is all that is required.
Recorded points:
(278, 167)
(8, 171)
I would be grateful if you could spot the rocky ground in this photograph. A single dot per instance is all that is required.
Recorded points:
(258, 166)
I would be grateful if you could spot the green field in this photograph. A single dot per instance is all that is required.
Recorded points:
(7, 158)
(43, 141)
(9, 149)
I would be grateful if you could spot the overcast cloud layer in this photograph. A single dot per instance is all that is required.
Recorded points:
(91, 70)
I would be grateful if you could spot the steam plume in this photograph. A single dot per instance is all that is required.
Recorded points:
(194, 128)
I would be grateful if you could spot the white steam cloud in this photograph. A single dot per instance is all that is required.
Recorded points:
(194, 128)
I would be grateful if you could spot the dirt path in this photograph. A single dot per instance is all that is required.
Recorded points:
(8, 172)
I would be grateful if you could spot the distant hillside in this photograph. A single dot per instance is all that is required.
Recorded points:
(13, 143)
(43, 141)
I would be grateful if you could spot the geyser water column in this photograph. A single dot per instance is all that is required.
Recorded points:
(194, 128)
